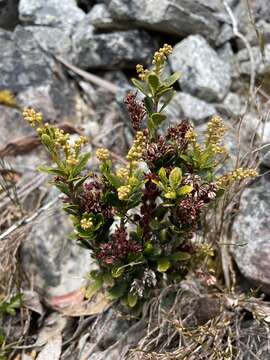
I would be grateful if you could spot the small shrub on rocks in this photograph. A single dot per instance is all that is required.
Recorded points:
(138, 220)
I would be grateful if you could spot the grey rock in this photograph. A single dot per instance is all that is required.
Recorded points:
(100, 18)
(251, 235)
(61, 14)
(55, 263)
(261, 64)
(45, 37)
(204, 74)
(180, 17)
(8, 14)
(266, 159)
(120, 49)
(192, 108)
(36, 79)
(231, 105)
(260, 14)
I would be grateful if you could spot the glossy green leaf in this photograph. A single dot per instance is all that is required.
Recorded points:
(148, 105)
(163, 264)
(51, 171)
(185, 190)
(167, 97)
(175, 177)
(158, 119)
(117, 271)
(172, 79)
(83, 160)
(140, 85)
(162, 175)
(132, 299)
(153, 81)
(180, 256)
(93, 288)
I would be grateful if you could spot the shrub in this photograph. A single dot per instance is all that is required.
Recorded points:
(138, 220)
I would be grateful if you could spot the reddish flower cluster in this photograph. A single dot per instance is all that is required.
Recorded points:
(178, 134)
(136, 110)
(189, 210)
(151, 192)
(156, 151)
(118, 248)
(91, 201)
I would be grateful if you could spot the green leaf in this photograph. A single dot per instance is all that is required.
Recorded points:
(162, 175)
(117, 271)
(51, 171)
(113, 180)
(184, 190)
(83, 160)
(71, 209)
(181, 256)
(117, 291)
(158, 119)
(140, 85)
(172, 79)
(63, 188)
(148, 248)
(175, 177)
(153, 81)
(108, 279)
(163, 264)
(148, 102)
(93, 288)
(132, 299)
(167, 97)
(170, 194)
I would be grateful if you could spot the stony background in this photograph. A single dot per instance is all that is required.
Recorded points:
(108, 38)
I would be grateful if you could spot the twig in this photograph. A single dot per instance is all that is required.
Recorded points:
(28, 219)
(89, 77)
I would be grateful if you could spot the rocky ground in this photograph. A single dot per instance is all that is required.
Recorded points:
(72, 61)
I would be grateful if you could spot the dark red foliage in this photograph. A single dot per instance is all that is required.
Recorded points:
(91, 201)
(118, 248)
(151, 192)
(156, 151)
(189, 211)
(178, 134)
(136, 110)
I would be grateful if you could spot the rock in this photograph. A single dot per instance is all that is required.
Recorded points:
(192, 108)
(174, 17)
(8, 14)
(45, 36)
(100, 18)
(33, 76)
(60, 14)
(120, 49)
(231, 105)
(55, 263)
(204, 74)
(251, 235)
(261, 64)
(266, 159)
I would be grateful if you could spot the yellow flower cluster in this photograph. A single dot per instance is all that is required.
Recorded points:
(123, 173)
(7, 98)
(102, 154)
(191, 135)
(161, 55)
(215, 132)
(142, 73)
(32, 117)
(86, 224)
(235, 175)
(136, 151)
(123, 192)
